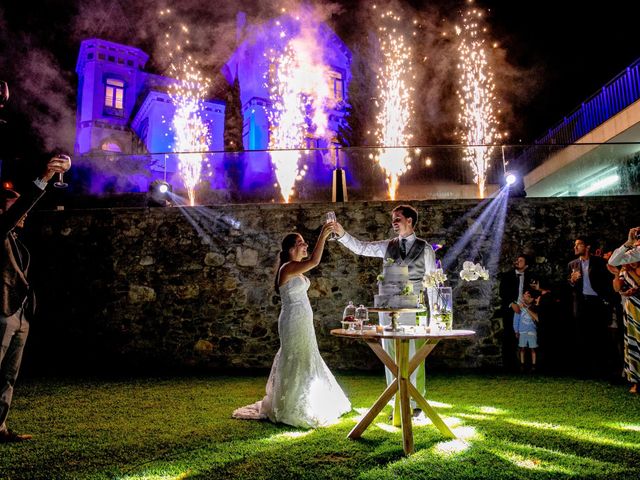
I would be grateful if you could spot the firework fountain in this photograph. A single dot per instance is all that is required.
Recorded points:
(394, 102)
(187, 94)
(299, 94)
(478, 123)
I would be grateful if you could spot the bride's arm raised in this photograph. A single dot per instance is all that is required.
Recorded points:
(293, 268)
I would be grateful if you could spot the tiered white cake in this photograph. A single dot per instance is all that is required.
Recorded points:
(394, 289)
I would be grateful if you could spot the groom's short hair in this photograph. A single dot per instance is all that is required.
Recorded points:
(408, 211)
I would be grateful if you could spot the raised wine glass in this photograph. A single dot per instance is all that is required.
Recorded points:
(331, 217)
(60, 183)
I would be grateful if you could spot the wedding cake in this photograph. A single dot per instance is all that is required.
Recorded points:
(394, 288)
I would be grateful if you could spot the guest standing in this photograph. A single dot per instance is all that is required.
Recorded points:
(591, 291)
(18, 299)
(627, 284)
(512, 286)
(525, 326)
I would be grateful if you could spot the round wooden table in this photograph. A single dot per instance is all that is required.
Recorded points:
(402, 367)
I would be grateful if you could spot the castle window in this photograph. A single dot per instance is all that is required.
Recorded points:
(336, 84)
(114, 93)
(110, 146)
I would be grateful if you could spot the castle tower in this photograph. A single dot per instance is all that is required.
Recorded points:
(110, 78)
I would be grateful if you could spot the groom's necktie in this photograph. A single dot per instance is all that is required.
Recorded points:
(403, 248)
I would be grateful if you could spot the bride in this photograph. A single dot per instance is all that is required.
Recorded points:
(301, 391)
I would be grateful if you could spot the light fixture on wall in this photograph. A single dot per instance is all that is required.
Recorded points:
(160, 193)
(510, 178)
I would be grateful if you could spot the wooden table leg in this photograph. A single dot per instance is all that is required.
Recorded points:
(402, 369)
(383, 399)
(373, 412)
(421, 354)
(384, 357)
(414, 362)
(404, 384)
(430, 412)
(396, 416)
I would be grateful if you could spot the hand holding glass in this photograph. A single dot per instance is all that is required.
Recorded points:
(331, 217)
(60, 183)
(575, 275)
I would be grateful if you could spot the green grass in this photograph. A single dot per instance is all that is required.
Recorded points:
(179, 428)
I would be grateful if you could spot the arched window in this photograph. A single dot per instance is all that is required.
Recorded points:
(110, 146)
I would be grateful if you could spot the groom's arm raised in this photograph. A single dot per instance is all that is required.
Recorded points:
(367, 249)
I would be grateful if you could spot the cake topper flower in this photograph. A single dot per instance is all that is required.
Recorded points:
(434, 279)
(407, 289)
(471, 272)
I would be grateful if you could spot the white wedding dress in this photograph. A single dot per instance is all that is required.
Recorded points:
(301, 390)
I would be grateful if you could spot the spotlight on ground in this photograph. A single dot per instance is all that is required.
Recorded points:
(159, 194)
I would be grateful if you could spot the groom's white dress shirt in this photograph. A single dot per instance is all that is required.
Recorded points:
(379, 249)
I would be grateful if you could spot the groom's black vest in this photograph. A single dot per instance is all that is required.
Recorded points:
(414, 259)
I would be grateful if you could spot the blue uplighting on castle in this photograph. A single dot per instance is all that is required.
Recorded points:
(124, 117)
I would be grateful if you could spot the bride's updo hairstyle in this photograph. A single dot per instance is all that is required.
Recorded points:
(288, 243)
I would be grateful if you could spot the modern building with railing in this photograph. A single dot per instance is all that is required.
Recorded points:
(593, 150)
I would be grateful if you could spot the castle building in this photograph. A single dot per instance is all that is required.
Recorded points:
(124, 132)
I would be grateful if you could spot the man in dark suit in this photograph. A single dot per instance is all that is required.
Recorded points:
(16, 297)
(513, 283)
(591, 285)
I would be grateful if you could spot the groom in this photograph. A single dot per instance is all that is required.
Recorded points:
(408, 249)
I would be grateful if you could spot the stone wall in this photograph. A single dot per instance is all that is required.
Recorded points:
(193, 287)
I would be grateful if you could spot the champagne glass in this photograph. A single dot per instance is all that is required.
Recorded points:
(331, 217)
(60, 183)
(576, 273)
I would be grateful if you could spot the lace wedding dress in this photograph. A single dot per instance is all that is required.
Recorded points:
(301, 391)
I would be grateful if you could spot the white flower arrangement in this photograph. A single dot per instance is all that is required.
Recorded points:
(434, 279)
(471, 272)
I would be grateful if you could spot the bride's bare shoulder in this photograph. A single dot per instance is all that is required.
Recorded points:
(285, 275)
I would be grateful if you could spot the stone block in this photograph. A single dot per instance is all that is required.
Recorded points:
(141, 294)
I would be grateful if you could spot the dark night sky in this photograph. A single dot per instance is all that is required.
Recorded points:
(574, 48)
(563, 52)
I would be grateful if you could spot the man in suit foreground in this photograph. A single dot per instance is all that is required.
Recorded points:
(17, 300)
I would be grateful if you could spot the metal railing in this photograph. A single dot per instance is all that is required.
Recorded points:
(615, 96)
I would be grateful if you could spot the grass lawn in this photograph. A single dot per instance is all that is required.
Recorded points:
(179, 428)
